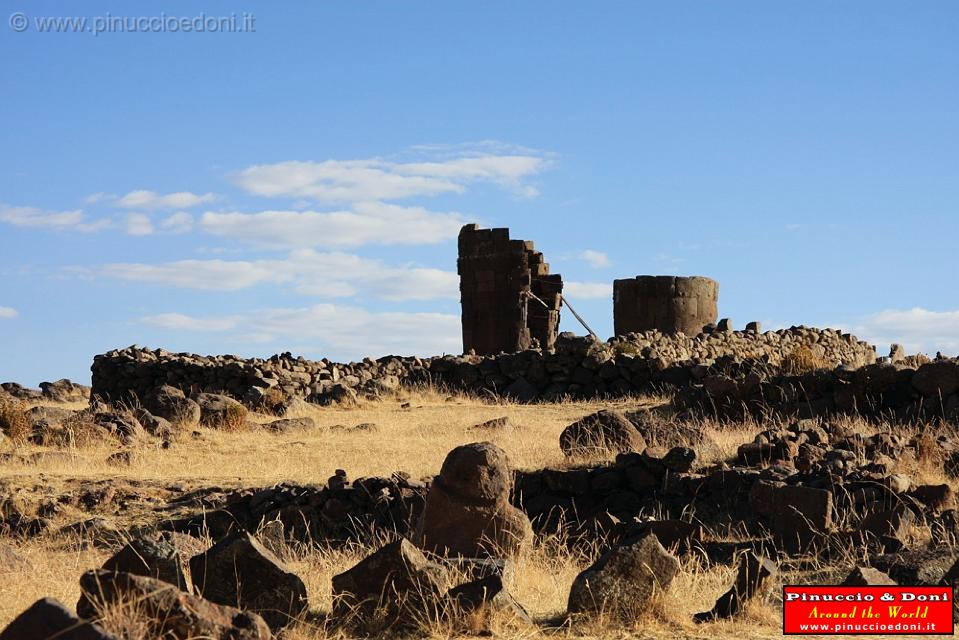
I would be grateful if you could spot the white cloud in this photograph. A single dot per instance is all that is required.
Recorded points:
(178, 321)
(595, 259)
(376, 179)
(179, 222)
(32, 217)
(339, 332)
(8, 312)
(139, 224)
(917, 329)
(587, 290)
(327, 275)
(367, 223)
(150, 200)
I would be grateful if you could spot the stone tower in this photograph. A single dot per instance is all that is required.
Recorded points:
(671, 304)
(497, 276)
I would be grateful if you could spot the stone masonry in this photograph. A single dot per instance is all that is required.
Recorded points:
(497, 275)
(670, 304)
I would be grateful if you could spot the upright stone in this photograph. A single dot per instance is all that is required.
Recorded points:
(468, 511)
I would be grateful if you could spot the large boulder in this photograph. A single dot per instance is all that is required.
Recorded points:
(169, 613)
(47, 618)
(468, 510)
(623, 580)
(238, 570)
(171, 404)
(397, 581)
(937, 379)
(601, 434)
(219, 411)
(152, 557)
(65, 391)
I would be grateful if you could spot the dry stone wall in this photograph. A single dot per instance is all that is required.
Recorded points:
(578, 367)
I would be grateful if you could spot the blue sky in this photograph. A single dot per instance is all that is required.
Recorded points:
(299, 187)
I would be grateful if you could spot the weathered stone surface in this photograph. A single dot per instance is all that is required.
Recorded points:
(11, 560)
(468, 510)
(802, 516)
(867, 577)
(46, 618)
(920, 566)
(937, 497)
(666, 303)
(397, 580)
(65, 391)
(601, 433)
(170, 612)
(889, 528)
(937, 379)
(623, 580)
(239, 570)
(487, 596)
(152, 557)
(498, 279)
(216, 409)
(290, 424)
(496, 424)
(756, 575)
(171, 404)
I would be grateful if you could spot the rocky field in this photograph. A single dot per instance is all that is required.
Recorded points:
(425, 514)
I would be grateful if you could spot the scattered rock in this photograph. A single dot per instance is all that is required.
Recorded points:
(12, 560)
(623, 580)
(920, 566)
(239, 570)
(124, 458)
(171, 613)
(152, 557)
(496, 424)
(485, 597)
(867, 577)
(46, 618)
(398, 580)
(171, 404)
(285, 425)
(65, 391)
(601, 433)
(889, 528)
(756, 574)
(219, 411)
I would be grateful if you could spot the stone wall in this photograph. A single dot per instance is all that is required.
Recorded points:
(496, 276)
(670, 304)
(579, 367)
(902, 391)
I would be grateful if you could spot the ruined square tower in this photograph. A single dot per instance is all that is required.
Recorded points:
(499, 278)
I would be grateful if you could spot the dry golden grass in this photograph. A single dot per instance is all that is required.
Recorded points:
(414, 439)
(14, 421)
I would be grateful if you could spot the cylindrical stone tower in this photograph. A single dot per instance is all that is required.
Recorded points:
(671, 304)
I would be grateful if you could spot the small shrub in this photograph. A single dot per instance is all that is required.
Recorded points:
(803, 359)
(14, 421)
(627, 348)
(234, 418)
(273, 400)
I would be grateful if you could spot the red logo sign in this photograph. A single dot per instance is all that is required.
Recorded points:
(823, 610)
